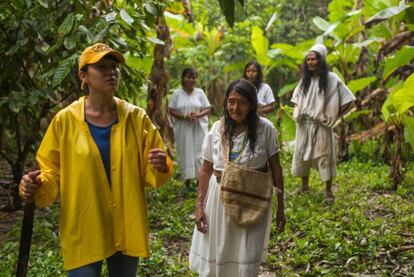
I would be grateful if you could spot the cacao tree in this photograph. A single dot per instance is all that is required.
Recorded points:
(40, 42)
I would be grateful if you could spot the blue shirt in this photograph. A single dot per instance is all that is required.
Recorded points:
(101, 136)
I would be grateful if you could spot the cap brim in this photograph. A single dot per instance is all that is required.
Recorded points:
(113, 53)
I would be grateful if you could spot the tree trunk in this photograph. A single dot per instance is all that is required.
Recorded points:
(216, 92)
(157, 88)
(343, 152)
(397, 160)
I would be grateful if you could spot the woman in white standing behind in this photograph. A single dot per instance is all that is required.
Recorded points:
(265, 98)
(189, 108)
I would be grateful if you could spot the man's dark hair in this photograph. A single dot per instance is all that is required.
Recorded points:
(307, 75)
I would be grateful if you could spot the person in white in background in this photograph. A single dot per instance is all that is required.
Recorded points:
(265, 98)
(320, 99)
(189, 108)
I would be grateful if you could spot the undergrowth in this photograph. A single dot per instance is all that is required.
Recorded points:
(368, 230)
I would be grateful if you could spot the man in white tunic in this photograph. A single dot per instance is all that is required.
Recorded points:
(320, 99)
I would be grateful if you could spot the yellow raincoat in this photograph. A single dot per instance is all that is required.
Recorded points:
(97, 219)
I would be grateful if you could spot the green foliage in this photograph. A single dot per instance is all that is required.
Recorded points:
(40, 45)
(400, 59)
(359, 234)
(396, 109)
(388, 13)
(228, 8)
(260, 45)
(399, 101)
(361, 83)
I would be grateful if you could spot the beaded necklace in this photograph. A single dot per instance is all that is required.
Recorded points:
(236, 155)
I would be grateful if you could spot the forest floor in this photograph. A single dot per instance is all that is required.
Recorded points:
(367, 231)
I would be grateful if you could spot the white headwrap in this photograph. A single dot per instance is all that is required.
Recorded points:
(321, 49)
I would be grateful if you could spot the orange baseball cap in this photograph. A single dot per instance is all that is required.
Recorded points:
(96, 52)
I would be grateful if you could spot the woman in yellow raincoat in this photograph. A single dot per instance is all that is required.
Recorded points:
(96, 157)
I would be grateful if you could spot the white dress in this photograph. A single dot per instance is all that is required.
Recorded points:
(188, 135)
(265, 95)
(228, 250)
(315, 115)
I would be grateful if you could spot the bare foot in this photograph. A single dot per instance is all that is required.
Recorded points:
(301, 190)
(330, 198)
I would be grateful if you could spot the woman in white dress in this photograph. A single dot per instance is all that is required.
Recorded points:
(219, 247)
(189, 108)
(265, 98)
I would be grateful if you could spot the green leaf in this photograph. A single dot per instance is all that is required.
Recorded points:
(288, 124)
(234, 67)
(271, 21)
(321, 23)
(359, 84)
(66, 25)
(260, 45)
(110, 17)
(126, 17)
(338, 8)
(401, 58)
(150, 8)
(294, 52)
(331, 28)
(17, 101)
(140, 64)
(100, 36)
(386, 14)
(400, 100)
(227, 8)
(355, 115)
(387, 107)
(287, 88)
(19, 44)
(156, 40)
(3, 100)
(409, 129)
(60, 74)
(87, 32)
(405, 97)
(69, 42)
(28, 3)
(34, 97)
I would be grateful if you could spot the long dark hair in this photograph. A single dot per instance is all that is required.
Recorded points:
(259, 77)
(323, 71)
(247, 90)
(188, 71)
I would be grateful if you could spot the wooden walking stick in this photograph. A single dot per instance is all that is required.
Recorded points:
(26, 234)
(25, 240)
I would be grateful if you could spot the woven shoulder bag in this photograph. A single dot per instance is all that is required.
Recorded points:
(245, 193)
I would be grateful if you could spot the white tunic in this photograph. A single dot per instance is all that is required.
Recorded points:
(188, 135)
(315, 115)
(226, 249)
(265, 95)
